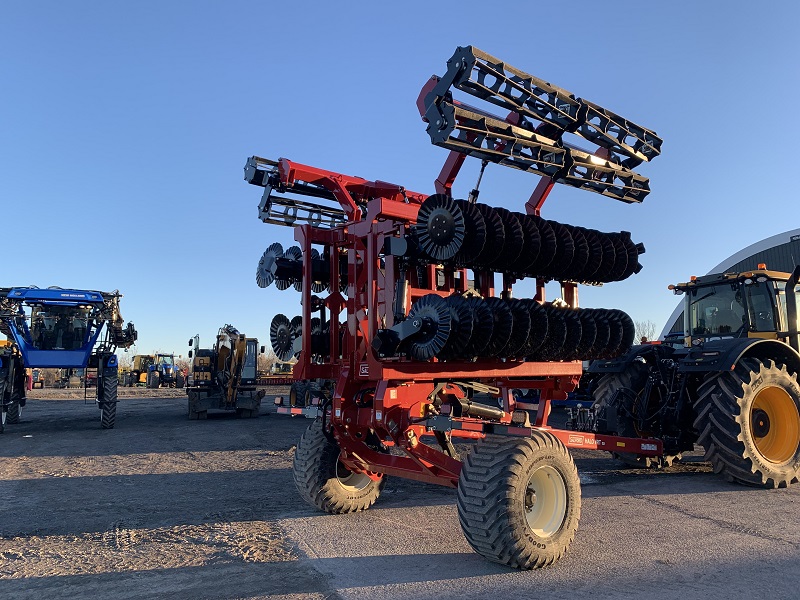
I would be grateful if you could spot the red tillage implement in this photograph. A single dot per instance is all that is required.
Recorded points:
(421, 346)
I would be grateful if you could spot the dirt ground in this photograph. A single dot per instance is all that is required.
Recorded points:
(162, 506)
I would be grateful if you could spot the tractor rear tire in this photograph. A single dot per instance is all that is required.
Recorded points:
(633, 378)
(519, 500)
(749, 424)
(180, 381)
(324, 482)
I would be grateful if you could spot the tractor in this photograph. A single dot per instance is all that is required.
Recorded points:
(730, 388)
(155, 371)
(60, 328)
(408, 310)
(224, 377)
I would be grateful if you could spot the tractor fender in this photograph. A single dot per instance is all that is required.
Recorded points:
(725, 354)
(648, 353)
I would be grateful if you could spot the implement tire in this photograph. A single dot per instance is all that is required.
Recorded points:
(324, 482)
(749, 424)
(519, 500)
(628, 408)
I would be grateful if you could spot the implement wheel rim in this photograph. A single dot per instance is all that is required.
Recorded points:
(775, 424)
(545, 501)
(352, 482)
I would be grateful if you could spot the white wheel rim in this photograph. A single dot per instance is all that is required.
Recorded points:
(352, 482)
(545, 501)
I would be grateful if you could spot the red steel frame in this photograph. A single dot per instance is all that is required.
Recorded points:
(389, 398)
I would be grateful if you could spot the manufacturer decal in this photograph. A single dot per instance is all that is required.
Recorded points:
(363, 370)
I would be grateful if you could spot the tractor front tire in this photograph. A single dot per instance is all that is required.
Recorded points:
(324, 482)
(749, 424)
(14, 413)
(633, 380)
(519, 500)
(153, 380)
(108, 415)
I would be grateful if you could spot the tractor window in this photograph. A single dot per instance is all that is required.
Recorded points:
(59, 327)
(715, 310)
(761, 306)
(166, 360)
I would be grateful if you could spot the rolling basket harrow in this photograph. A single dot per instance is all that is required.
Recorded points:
(402, 314)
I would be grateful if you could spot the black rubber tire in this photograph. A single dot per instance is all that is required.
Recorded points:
(728, 407)
(2, 420)
(108, 408)
(633, 378)
(319, 476)
(492, 495)
(297, 393)
(195, 415)
(153, 380)
(244, 413)
(108, 415)
(179, 381)
(14, 413)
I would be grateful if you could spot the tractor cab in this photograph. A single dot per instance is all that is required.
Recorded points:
(55, 327)
(752, 304)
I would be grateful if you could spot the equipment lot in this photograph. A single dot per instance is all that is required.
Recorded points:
(162, 506)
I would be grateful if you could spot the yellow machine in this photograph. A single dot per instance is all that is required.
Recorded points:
(224, 377)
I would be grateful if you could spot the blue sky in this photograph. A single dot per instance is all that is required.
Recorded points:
(125, 127)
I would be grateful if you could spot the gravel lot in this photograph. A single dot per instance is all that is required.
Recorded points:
(162, 506)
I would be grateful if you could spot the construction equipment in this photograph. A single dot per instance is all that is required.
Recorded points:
(37, 379)
(402, 314)
(732, 388)
(61, 328)
(224, 377)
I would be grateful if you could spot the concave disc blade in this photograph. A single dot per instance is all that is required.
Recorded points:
(495, 236)
(603, 331)
(514, 240)
(503, 324)
(548, 246)
(628, 331)
(608, 257)
(264, 276)
(538, 332)
(294, 253)
(532, 244)
(632, 251)
(594, 258)
(556, 334)
(520, 329)
(588, 335)
(581, 256)
(434, 316)
(440, 227)
(474, 234)
(460, 328)
(482, 327)
(573, 337)
(616, 333)
(281, 336)
(565, 252)
(617, 273)
(316, 286)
